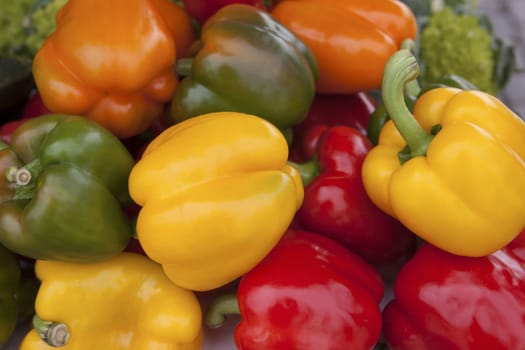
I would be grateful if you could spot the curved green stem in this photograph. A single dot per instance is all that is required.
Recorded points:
(400, 69)
(220, 307)
(54, 334)
(412, 88)
(308, 170)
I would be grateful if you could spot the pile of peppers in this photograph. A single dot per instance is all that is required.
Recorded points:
(178, 162)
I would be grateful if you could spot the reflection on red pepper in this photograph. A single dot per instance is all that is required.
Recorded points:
(448, 302)
(336, 204)
(309, 293)
(353, 110)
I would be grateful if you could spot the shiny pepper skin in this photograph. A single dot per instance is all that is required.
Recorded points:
(123, 303)
(449, 302)
(216, 194)
(112, 61)
(351, 39)
(467, 194)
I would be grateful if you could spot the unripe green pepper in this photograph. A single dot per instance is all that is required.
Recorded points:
(247, 62)
(63, 183)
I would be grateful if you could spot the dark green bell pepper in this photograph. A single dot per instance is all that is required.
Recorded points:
(247, 62)
(63, 184)
(9, 280)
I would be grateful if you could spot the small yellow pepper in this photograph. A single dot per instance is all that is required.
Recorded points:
(454, 172)
(126, 302)
(216, 195)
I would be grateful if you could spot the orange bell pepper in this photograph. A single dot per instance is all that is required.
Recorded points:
(351, 39)
(113, 61)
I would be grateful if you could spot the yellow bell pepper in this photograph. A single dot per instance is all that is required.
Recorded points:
(216, 195)
(126, 302)
(454, 172)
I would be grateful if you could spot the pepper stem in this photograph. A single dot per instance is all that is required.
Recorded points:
(24, 178)
(400, 69)
(54, 334)
(412, 88)
(218, 309)
(308, 170)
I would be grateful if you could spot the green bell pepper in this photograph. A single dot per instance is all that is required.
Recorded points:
(247, 62)
(9, 280)
(62, 191)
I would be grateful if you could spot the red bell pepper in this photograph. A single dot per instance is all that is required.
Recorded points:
(353, 110)
(448, 302)
(309, 293)
(201, 10)
(336, 204)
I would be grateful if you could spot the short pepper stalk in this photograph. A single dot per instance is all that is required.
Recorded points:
(123, 303)
(216, 194)
(448, 302)
(113, 61)
(309, 293)
(250, 63)
(63, 186)
(351, 39)
(337, 205)
(454, 171)
(9, 279)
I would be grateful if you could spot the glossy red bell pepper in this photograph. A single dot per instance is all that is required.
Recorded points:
(448, 302)
(336, 204)
(309, 293)
(353, 110)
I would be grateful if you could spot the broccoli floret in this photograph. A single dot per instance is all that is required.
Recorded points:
(25, 25)
(41, 23)
(457, 44)
(12, 35)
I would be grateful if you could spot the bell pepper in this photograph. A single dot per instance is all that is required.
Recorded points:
(250, 63)
(380, 115)
(351, 39)
(336, 204)
(9, 280)
(201, 10)
(216, 194)
(112, 61)
(62, 189)
(125, 302)
(353, 110)
(412, 91)
(309, 293)
(448, 302)
(442, 170)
